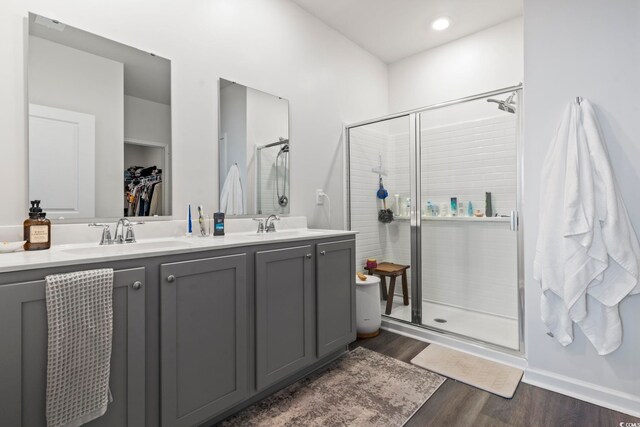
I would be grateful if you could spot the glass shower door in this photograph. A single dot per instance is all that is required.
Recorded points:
(468, 229)
(381, 207)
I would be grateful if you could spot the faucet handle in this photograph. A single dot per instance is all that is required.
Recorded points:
(96, 224)
(260, 224)
(130, 236)
(106, 233)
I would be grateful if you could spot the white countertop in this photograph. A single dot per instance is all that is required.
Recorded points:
(71, 254)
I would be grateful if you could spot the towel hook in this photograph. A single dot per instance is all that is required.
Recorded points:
(578, 100)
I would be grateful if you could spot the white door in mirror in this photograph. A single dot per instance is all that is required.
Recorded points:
(62, 161)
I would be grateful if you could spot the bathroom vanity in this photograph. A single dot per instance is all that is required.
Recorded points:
(202, 327)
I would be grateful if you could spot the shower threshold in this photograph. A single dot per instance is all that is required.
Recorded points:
(485, 327)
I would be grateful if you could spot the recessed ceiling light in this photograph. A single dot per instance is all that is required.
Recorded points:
(441, 23)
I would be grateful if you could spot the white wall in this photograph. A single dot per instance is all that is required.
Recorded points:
(270, 45)
(484, 61)
(588, 48)
(71, 79)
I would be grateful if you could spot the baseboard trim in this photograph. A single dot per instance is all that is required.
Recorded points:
(582, 390)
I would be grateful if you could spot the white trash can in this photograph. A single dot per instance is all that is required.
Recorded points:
(368, 316)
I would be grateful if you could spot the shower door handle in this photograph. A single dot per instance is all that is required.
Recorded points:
(513, 220)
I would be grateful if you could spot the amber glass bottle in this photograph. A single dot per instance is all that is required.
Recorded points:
(37, 229)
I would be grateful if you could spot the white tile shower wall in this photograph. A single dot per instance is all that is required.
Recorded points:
(462, 160)
(398, 249)
(472, 265)
(366, 145)
(385, 242)
(467, 159)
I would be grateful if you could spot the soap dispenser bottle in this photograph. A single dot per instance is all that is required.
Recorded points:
(37, 229)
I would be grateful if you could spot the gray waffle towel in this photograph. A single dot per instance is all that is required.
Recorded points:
(80, 326)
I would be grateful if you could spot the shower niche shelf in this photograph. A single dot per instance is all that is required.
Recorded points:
(456, 218)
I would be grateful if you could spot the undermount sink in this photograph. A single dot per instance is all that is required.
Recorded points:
(285, 234)
(127, 247)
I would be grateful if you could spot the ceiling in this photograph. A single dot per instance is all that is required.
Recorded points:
(145, 76)
(395, 29)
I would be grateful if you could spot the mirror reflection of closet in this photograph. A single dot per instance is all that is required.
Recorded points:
(99, 125)
(254, 166)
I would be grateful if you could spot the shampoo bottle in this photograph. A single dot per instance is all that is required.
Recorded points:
(488, 208)
(37, 229)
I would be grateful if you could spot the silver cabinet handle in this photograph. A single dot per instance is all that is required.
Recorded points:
(323, 252)
(171, 278)
(137, 285)
(309, 256)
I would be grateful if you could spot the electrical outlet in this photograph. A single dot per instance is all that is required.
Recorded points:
(319, 196)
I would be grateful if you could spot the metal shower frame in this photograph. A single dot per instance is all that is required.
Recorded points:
(416, 209)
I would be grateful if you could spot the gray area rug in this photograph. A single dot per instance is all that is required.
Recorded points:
(362, 388)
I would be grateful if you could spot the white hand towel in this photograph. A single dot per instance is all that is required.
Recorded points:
(80, 329)
(587, 255)
(231, 197)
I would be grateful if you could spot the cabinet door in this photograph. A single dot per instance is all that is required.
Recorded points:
(203, 338)
(285, 330)
(336, 293)
(23, 358)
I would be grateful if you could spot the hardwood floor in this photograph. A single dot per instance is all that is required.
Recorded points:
(458, 404)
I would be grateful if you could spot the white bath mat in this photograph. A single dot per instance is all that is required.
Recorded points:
(491, 376)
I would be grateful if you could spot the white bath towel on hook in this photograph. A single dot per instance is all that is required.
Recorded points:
(587, 255)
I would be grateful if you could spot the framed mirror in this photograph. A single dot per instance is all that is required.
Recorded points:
(254, 147)
(99, 125)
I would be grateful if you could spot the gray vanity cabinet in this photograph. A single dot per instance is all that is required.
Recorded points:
(203, 338)
(23, 356)
(285, 313)
(335, 293)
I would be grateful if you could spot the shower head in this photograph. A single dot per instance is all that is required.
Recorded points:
(507, 105)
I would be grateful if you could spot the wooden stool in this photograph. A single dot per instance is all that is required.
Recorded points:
(389, 269)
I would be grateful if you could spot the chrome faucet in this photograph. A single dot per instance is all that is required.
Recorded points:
(269, 226)
(130, 236)
(120, 236)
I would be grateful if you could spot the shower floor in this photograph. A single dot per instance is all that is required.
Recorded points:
(486, 327)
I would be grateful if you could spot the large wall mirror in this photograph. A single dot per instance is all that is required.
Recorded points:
(254, 150)
(99, 125)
